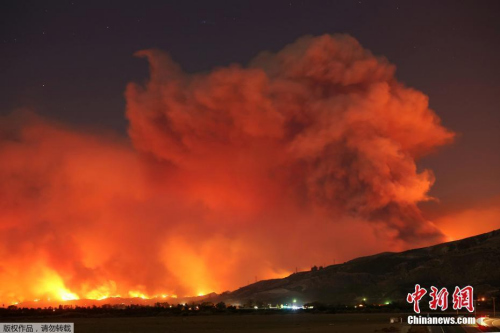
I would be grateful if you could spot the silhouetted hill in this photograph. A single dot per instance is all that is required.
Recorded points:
(380, 278)
(387, 277)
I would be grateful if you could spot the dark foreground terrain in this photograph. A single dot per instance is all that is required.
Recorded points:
(387, 277)
(236, 323)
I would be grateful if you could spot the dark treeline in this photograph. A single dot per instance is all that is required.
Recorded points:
(165, 309)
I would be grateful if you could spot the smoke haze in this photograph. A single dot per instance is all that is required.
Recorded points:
(303, 157)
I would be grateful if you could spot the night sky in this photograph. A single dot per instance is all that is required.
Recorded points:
(70, 61)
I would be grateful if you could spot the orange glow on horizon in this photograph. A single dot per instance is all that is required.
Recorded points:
(64, 295)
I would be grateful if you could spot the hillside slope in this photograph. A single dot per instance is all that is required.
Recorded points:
(388, 277)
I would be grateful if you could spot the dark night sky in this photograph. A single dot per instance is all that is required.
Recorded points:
(71, 60)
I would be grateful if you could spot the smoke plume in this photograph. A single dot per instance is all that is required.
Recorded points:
(305, 156)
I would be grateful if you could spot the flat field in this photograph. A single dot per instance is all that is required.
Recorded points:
(275, 323)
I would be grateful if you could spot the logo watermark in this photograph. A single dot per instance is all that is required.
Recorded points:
(420, 320)
(37, 327)
(439, 298)
(462, 298)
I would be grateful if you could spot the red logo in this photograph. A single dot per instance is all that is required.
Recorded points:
(439, 298)
(462, 298)
(416, 297)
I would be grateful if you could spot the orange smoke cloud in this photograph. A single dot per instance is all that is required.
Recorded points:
(305, 156)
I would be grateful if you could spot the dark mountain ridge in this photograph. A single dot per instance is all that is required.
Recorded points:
(387, 277)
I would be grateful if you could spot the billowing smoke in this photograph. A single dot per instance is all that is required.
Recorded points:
(304, 157)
